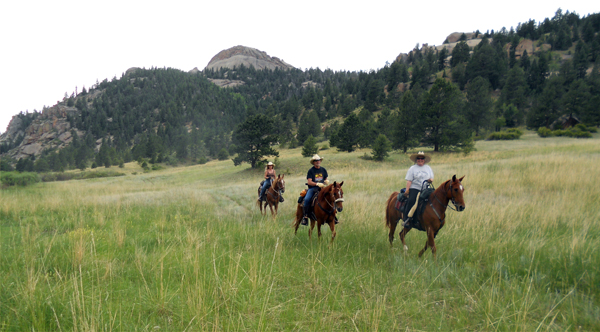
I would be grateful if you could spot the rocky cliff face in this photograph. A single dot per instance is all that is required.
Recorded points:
(247, 56)
(49, 130)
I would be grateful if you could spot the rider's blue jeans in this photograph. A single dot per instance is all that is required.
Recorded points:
(265, 186)
(309, 195)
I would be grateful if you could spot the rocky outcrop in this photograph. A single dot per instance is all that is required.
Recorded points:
(247, 56)
(225, 83)
(455, 36)
(49, 130)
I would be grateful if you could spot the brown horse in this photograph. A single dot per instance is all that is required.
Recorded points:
(273, 195)
(328, 204)
(434, 214)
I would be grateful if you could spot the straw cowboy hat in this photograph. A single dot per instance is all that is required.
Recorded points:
(315, 158)
(420, 154)
(271, 164)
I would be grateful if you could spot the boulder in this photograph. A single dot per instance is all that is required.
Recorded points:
(33, 149)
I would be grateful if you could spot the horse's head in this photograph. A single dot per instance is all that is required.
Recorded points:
(455, 193)
(279, 184)
(337, 195)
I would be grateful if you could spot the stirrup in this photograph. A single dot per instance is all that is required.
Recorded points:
(304, 221)
(407, 222)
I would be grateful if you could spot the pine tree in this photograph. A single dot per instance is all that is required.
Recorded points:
(443, 118)
(253, 139)
(310, 147)
(479, 104)
(381, 148)
(348, 134)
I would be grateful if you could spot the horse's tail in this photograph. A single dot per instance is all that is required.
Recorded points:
(388, 222)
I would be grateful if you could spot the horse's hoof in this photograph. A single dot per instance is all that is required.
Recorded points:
(405, 248)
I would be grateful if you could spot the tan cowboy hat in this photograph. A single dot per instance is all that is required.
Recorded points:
(420, 154)
(315, 158)
(270, 164)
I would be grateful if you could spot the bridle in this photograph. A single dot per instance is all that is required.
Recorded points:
(452, 199)
(278, 187)
(339, 199)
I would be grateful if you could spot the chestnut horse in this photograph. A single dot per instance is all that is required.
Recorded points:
(434, 214)
(328, 204)
(272, 196)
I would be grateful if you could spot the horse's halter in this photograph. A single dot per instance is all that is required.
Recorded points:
(280, 184)
(338, 199)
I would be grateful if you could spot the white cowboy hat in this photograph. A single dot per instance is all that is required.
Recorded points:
(420, 154)
(271, 164)
(315, 158)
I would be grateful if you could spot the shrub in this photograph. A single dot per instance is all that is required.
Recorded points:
(223, 154)
(544, 132)
(19, 179)
(579, 131)
(508, 134)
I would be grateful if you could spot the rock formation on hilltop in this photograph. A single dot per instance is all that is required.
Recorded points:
(247, 56)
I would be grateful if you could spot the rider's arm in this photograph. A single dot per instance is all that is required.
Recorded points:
(408, 183)
(311, 182)
(266, 176)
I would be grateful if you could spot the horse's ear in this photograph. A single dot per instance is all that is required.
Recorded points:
(334, 184)
(282, 175)
(341, 183)
(454, 178)
(461, 178)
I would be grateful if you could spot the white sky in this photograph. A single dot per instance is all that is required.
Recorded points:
(48, 48)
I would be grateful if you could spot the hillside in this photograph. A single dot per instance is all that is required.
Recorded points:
(529, 76)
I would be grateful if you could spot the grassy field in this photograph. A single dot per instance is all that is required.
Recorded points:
(185, 249)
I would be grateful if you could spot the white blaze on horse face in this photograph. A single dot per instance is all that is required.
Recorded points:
(461, 187)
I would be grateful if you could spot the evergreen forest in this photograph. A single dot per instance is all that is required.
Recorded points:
(434, 98)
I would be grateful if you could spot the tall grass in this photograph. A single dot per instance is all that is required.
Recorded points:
(186, 249)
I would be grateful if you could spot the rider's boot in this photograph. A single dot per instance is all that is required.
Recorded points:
(304, 221)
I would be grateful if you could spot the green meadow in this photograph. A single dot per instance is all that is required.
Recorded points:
(186, 248)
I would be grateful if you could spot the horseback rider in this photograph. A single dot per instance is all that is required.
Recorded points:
(416, 175)
(269, 177)
(316, 178)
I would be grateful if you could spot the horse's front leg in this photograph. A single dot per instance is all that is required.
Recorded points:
(332, 228)
(272, 213)
(319, 229)
(431, 241)
(312, 225)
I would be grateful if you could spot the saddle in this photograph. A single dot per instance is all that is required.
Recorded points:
(421, 205)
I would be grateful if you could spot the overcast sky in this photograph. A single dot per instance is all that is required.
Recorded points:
(48, 48)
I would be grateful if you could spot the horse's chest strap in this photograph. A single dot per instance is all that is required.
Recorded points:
(437, 214)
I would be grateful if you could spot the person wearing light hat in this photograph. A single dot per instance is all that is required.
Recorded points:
(316, 178)
(269, 177)
(416, 175)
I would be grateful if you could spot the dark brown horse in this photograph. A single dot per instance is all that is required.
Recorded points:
(273, 195)
(328, 204)
(434, 215)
